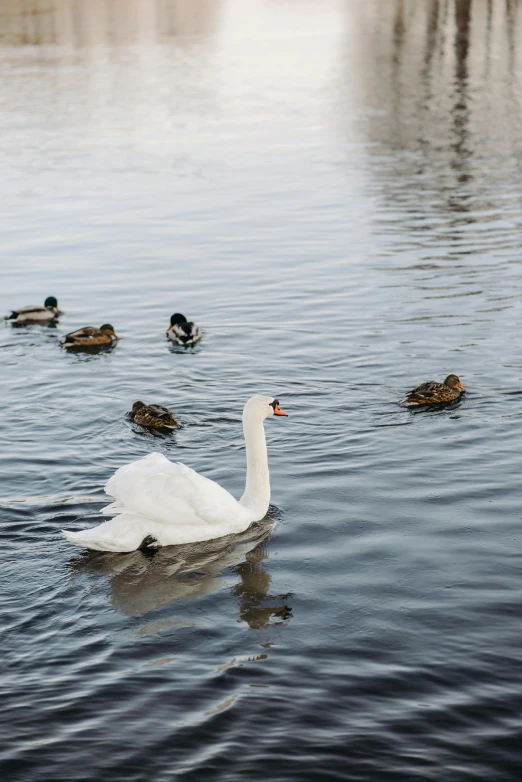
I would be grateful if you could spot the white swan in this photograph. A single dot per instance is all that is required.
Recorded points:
(174, 504)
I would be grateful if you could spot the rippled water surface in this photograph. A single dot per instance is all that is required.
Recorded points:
(333, 191)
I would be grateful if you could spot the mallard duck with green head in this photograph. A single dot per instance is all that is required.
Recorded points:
(43, 315)
(432, 393)
(183, 331)
(153, 416)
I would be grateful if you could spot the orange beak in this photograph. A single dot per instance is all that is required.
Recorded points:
(461, 386)
(278, 411)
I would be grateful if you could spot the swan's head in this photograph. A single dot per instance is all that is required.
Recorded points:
(262, 407)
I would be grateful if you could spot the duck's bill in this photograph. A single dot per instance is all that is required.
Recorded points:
(459, 385)
(278, 411)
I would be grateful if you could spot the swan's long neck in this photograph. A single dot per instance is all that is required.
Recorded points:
(256, 496)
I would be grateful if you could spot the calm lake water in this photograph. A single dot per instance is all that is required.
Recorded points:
(333, 191)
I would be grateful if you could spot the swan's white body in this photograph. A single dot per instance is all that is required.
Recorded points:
(174, 504)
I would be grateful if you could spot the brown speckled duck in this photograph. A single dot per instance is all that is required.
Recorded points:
(91, 337)
(153, 416)
(432, 393)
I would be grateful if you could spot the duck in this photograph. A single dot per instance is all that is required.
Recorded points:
(432, 393)
(43, 315)
(89, 337)
(182, 331)
(153, 416)
(157, 502)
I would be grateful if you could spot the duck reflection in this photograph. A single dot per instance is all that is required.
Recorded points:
(145, 580)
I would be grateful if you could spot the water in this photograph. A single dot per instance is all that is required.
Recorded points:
(332, 191)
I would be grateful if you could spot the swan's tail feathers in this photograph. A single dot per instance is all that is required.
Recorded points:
(83, 540)
(120, 534)
(114, 507)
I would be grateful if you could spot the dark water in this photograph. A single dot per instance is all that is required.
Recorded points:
(333, 191)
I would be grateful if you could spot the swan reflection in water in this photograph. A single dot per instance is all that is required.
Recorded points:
(143, 581)
(256, 606)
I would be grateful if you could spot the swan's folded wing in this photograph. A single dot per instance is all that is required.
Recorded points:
(168, 492)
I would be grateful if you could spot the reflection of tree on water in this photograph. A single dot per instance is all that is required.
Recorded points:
(435, 36)
(437, 78)
(143, 581)
(460, 110)
(78, 22)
